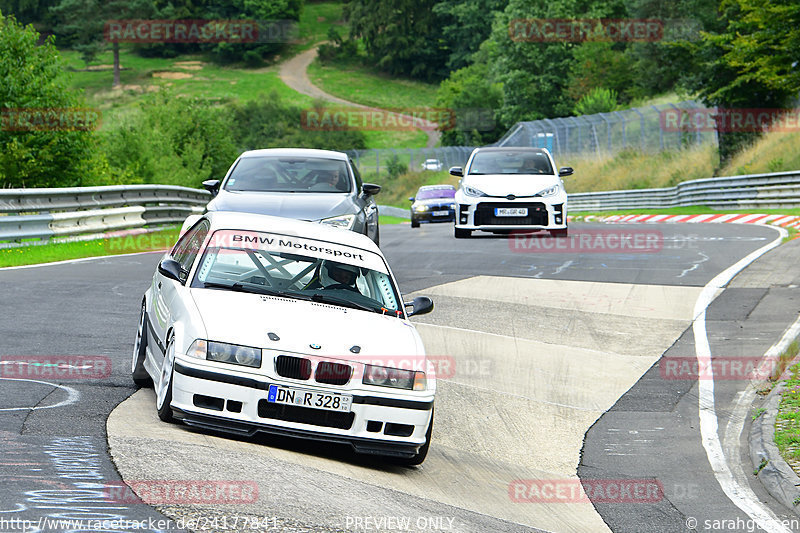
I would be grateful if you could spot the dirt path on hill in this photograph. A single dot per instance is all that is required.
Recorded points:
(294, 73)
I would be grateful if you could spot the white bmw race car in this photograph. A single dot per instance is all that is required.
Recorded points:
(507, 189)
(255, 323)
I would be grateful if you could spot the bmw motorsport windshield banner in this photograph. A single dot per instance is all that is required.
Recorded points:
(279, 243)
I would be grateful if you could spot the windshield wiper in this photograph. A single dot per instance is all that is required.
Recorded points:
(335, 300)
(254, 289)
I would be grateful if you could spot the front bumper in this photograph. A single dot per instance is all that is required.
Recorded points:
(428, 216)
(542, 214)
(236, 403)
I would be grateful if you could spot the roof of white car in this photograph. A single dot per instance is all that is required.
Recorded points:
(296, 152)
(310, 230)
(435, 187)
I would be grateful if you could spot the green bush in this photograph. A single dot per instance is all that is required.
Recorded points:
(598, 100)
(338, 49)
(270, 123)
(33, 79)
(395, 167)
(175, 141)
(475, 100)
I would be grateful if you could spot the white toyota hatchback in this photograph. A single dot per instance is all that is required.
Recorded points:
(507, 189)
(255, 323)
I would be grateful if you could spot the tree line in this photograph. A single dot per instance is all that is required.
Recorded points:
(728, 53)
(46, 139)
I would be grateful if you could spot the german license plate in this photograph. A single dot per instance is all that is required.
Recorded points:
(511, 211)
(441, 213)
(306, 398)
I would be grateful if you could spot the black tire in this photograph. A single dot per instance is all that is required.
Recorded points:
(422, 453)
(165, 411)
(138, 372)
(463, 233)
(559, 233)
(414, 223)
(378, 236)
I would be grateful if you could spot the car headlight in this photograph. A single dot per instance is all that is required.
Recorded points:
(382, 376)
(342, 221)
(226, 353)
(472, 191)
(420, 208)
(552, 191)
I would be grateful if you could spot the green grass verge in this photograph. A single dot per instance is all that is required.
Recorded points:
(787, 424)
(366, 86)
(386, 219)
(64, 251)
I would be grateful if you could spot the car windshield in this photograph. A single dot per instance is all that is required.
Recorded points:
(427, 194)
(511, 162)
(290, 174)
(294, 267)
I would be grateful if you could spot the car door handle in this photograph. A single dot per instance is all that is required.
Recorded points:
(159, 284)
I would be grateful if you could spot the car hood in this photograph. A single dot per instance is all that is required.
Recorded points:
(246, 319)
(517, 184)
(435, 201)
(300, 206)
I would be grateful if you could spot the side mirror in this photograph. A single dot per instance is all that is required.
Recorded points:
(212, 186)
(565, 171)
(420, 306)
(410, 198)
(370, 189)
(456, 171)
(171, 269)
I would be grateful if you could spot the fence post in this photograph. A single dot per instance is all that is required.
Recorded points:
(660, 129)
(641, 127)
(608, 130)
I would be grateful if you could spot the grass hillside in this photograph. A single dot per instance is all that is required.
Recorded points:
(365, 86)
(774, 152)
(636, 170)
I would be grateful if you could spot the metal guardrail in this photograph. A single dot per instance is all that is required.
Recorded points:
(30, 214)
(778, 190)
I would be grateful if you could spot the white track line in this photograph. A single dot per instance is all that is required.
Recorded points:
(72, 396)
(741, 495)
(735, 426)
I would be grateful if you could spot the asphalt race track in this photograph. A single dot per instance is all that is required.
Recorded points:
(560, 374)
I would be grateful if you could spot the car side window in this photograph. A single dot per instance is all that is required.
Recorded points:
(359, 182)
(188, 246)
